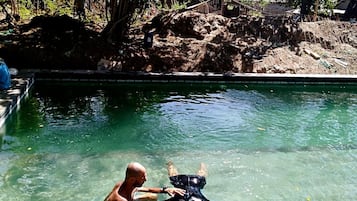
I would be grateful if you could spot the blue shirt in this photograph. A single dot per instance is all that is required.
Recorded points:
(5, 77)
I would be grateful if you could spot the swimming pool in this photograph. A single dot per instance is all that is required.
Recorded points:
(260, 142)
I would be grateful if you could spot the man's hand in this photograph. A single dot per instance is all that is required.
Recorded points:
(174, 191)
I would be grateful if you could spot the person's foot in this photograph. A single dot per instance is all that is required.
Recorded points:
(171, 170)
(203, 170)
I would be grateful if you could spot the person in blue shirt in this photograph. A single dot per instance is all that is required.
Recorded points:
(5, 77)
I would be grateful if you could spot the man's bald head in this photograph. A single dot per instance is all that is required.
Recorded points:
(135, 169)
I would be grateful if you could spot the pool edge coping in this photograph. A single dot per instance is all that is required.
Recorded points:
(192, 77)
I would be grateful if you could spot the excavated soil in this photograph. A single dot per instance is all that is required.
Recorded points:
(189, 42)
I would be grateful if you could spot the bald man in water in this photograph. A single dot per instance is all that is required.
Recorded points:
(134, 179)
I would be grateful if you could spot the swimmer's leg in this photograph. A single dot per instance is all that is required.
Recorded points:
(203, 170)
(171, 170)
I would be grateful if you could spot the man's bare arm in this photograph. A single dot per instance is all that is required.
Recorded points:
(170, 191)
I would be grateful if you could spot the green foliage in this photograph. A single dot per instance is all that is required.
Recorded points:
(330, 4)
(24, 9)
(255, 3)
(24, 12)
(29, 9)
(294, 3)
(51, 6)
(263, 3)
(327, 7)
(178, 5)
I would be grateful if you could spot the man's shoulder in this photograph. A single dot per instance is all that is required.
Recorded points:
(114, 195)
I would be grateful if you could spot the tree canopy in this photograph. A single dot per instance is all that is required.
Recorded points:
(118, 15)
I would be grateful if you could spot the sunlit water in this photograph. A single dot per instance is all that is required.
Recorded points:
(258, 142)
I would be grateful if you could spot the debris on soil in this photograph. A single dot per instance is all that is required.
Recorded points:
(189, 42)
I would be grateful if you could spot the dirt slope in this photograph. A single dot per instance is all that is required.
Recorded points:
(206, 42)
(190, 42)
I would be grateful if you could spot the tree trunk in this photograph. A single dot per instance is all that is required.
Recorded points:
(305, 7)
(120, 12)
(316, 10)
(79, 9)
(14, 8)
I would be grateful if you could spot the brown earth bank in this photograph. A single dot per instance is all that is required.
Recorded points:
(187, 42)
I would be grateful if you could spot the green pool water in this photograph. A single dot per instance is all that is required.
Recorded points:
(259, 142)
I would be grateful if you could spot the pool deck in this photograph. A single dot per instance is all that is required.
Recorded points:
(10, 100)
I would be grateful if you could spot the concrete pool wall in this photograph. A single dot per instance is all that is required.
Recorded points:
(10, 99)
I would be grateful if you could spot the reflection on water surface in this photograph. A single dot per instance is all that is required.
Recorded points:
(259, 142)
